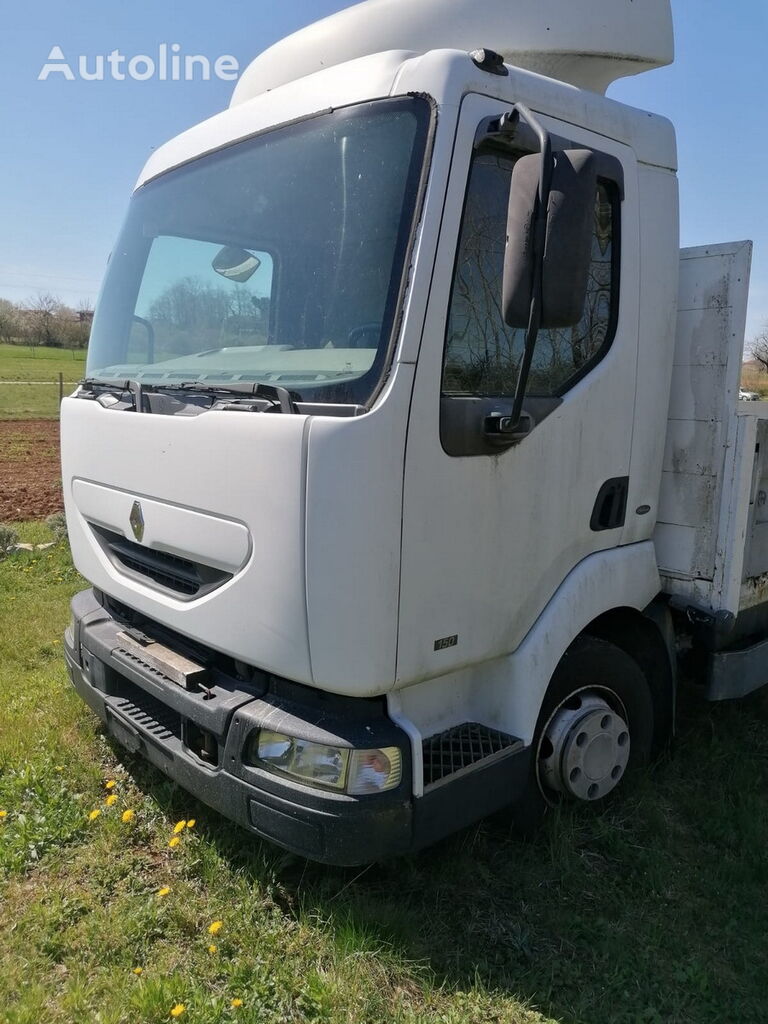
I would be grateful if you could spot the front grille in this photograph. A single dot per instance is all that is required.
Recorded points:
(168, 572)
(150, 714)
(462, 747)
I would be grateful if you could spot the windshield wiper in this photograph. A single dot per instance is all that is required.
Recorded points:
(278, 397)
(135, 387)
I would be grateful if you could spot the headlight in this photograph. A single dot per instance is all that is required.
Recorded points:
(357, 772)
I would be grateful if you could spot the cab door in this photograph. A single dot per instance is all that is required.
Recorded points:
(490, 534)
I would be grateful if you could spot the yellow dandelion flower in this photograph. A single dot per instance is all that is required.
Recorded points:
(127, 816)
(94, 815)
(174, 842)
(164, 891)
(215, 927)
(191, 823)
(179, 827)
(3, 814)
(138, 970)
(236, 1003)
(178, 1009)
(59, 768)
(111, 799)
(213, 949)
(110, 784)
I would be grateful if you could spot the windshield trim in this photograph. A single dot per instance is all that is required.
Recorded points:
(362, 391)
(407, 250)
(249, 137)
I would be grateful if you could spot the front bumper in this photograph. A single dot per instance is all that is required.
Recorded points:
(156, 718)
(151, 715)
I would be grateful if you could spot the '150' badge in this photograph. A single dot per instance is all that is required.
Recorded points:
(136, 520)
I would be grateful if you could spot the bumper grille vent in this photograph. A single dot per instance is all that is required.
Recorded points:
(150, 715)
(180, 576)
(463, 747)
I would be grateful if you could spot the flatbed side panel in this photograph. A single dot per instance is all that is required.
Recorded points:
(707, 469)
(734, 515)
(753, 420)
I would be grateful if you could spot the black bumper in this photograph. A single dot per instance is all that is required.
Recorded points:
(155, 718)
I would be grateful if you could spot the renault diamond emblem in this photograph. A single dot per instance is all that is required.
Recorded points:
(136, 520)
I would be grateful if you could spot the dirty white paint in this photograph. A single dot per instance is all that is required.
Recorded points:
(704, 505)
(588, 45)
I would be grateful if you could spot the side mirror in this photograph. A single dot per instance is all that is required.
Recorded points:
(567, 241)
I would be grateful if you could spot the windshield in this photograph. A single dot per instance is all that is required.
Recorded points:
(277, 260)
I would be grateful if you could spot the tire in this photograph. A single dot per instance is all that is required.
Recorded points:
(592, 672)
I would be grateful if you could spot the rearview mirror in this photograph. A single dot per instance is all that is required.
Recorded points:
(235, 264)
(568, 240)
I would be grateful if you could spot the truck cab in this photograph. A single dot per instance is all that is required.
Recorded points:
(365, 472)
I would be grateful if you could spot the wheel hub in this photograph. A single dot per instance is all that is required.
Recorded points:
(585, 747)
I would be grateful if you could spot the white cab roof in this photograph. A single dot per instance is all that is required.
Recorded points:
(446, 76)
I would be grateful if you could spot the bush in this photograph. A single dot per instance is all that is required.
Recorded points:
(57, 524)
(8, 540)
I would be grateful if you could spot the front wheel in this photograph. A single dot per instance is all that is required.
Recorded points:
(594, 728)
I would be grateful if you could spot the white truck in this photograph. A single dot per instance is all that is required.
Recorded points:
(410, 460)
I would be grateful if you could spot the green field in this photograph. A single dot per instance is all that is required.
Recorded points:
(29, 376)
(654, 909)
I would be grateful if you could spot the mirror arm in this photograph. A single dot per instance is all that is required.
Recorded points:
(150, 336)
(539, 240)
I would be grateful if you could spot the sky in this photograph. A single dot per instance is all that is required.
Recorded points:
(72, 150)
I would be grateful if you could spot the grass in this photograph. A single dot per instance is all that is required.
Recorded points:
(38, 363)
(754, 380)
(34, 373)
(653, 909)
(30, 401)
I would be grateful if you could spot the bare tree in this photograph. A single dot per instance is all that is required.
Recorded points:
(759, 349)
(42, 313)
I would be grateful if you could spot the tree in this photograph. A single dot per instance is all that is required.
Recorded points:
(42, 313)
(10, 322)
(759, 349)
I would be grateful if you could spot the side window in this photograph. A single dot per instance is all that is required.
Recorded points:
(482, 354)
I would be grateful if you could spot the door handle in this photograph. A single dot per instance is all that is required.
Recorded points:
(500, 430)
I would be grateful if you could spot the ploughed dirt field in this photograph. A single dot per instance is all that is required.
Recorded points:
(30, 473)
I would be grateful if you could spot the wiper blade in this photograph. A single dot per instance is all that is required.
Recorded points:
(279, 397)
(104, 382)
(135, 387)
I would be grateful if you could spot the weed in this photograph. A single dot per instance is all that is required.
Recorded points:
(9, 538)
